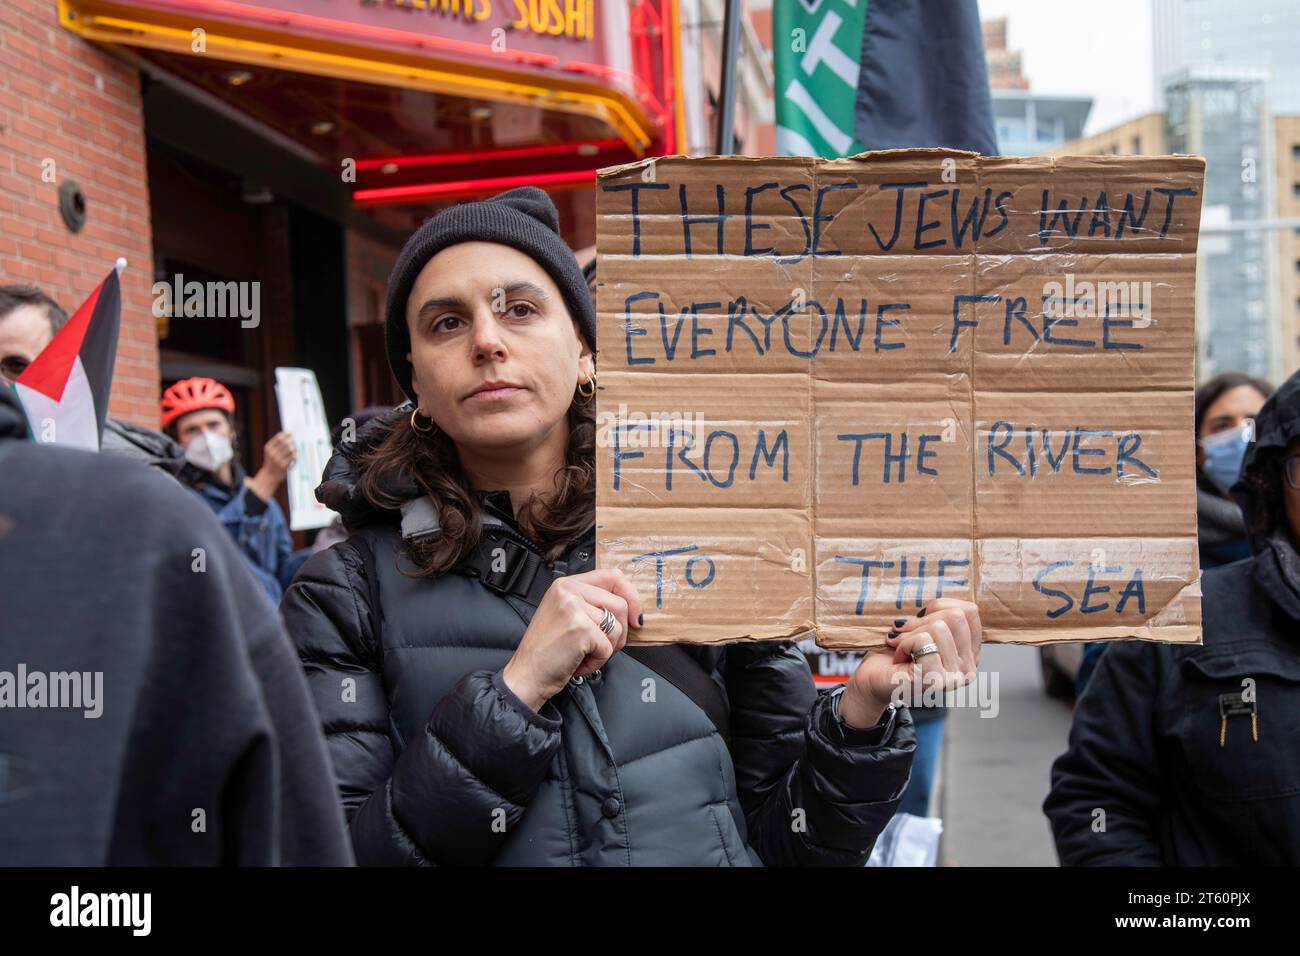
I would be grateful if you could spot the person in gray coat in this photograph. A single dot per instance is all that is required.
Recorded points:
(469, 664)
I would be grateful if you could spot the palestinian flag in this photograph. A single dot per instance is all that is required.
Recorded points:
(64, 392)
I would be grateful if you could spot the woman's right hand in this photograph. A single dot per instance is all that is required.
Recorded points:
(564, 639)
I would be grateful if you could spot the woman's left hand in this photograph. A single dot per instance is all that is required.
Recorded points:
(951, 625)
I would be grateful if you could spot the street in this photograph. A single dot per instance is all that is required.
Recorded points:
(995, 771)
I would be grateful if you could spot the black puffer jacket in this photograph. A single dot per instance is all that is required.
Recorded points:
(439, 763)
(143, 444)
(1171, 761)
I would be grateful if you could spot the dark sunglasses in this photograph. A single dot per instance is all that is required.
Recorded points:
(11, 366)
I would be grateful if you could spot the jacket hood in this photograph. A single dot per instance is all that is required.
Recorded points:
(339, 488)
(1259, 492)
(145, 445)
(1259, 489)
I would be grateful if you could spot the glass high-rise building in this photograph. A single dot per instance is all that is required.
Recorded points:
(1228, 76)
(1219, 112)
(1262, 34)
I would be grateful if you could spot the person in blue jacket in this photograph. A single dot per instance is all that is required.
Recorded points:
(199, 414)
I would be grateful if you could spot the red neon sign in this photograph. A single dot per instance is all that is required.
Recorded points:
(487, 155)
(429, 192)
(354, 22)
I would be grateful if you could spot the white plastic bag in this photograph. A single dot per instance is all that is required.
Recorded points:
(908, 841)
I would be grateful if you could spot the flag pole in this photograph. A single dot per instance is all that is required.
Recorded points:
(726, 113)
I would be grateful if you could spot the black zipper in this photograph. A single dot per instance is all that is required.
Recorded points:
(515, 536)
(528, 543)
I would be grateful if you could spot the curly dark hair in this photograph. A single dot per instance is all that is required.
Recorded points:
(432, 462)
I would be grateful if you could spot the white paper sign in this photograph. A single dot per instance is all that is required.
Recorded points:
(302, 414)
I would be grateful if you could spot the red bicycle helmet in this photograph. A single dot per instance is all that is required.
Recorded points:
(192, 395)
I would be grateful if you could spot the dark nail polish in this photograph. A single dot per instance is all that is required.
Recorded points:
(640, 620)
(892, 634)
(922, 614)
(899, 621)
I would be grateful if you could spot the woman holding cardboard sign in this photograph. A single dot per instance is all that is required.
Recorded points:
(472, 670)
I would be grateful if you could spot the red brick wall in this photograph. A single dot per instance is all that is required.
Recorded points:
(66, 100)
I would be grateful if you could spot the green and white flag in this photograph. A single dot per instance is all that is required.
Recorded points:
(816, 45)
(853, 75)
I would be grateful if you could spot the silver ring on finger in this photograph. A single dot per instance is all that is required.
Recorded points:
(608, 623)
(923, 650)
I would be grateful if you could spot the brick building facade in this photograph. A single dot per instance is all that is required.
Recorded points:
(223, 167)
(71, 113)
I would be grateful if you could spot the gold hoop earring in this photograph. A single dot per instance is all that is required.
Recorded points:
(426, 429)
(590, 381)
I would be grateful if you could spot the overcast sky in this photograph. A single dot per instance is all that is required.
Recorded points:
(1097, 48)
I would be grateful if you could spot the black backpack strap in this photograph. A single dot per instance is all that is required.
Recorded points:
(685, 673)
(504, 565)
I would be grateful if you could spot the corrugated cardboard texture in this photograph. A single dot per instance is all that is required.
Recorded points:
(832, 391)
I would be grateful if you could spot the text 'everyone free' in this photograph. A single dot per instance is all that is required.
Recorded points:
(880, 411)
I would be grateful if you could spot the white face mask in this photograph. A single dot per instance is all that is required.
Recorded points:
(209, 451)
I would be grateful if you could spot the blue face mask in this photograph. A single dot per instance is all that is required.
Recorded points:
(1224, 453)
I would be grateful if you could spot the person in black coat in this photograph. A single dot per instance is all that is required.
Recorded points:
(1187, 755)
(470, 664)
(152, 711)
(1225, 409)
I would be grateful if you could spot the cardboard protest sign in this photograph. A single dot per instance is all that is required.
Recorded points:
(832, 391)
(302, 414)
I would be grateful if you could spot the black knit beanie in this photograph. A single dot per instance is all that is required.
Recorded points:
(523, 218)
